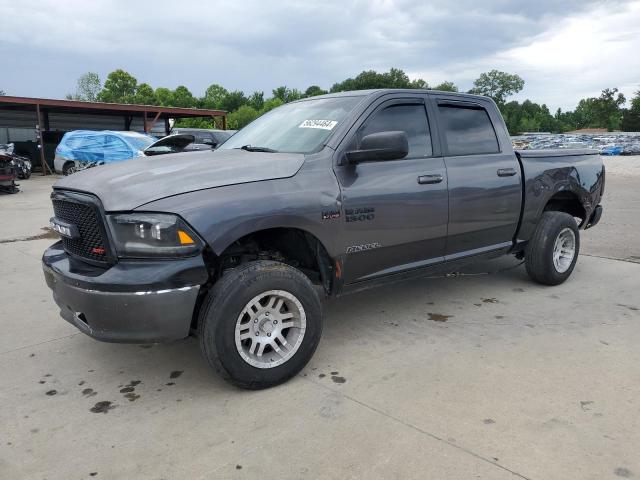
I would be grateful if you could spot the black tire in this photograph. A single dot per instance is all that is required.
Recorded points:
(227, 299)
(68, 168)
(539, 251)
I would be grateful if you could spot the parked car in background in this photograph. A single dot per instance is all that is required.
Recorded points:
(204, 138)
(8, 174)
(81, 149)
(189, 140)
(22, 165)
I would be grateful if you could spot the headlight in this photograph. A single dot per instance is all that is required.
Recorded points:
(152, 235)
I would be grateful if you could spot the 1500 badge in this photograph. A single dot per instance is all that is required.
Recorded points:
(362, 248)
(359, 214)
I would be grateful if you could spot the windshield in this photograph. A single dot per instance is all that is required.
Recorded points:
(299, 127)
(140, 142)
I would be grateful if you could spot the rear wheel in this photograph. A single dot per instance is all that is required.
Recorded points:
(260, 324)
(553, 250)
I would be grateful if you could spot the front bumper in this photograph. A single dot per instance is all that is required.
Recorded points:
(134, 301)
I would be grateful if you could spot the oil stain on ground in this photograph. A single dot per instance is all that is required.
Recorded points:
(102, 407)
(438, 317)
(51, 393)
(489, 300)
(337, 379)
(630, 307)
(89, 392)
(176, 373)
(132, 397)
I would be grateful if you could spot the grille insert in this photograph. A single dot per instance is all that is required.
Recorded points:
(91, 243)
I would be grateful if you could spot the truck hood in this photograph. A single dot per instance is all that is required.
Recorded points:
(130, 184)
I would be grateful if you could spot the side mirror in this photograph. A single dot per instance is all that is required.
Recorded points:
(379, 147)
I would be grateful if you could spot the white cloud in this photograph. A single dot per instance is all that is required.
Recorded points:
(575, 58)
(564, 50)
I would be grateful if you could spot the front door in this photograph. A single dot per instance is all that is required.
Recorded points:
(395, 212)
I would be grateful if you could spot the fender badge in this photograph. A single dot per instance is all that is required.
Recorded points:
(362, 248)
(330, 215)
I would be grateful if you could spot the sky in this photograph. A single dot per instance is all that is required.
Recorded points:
(564, 50)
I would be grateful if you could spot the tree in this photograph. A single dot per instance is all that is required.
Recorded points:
(608, 111)
(164, 96)
(446, 87)
(313, 91)
(287, 94)
(256, 100)
(241, 117)
(233, 101)
(182, 97)
(394, 78)
(631, 116)
(145, 95)
(271, 104)
(214, 95)
(497, 85)
(120, 87)
(601, 112)
(2, 93)
(87, 88)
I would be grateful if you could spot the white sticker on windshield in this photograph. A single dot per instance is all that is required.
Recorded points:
(323, 124)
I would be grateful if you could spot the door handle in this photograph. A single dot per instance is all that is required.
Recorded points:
(429, 179)
(506, 172)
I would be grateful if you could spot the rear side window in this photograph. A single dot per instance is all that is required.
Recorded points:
(412, 119)
(468, 130)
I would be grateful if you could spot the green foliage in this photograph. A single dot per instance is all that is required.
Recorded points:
(145, 95)
(2, 93)
(271, 104)
(164, 97)
(287, 94)
(214, 96)
(631, 116)
(604, 111)
(182, 97)
(370, 79)
(497, 85)
(87, 88)
(314, 90)
(241, 117)
(446, 87)
(232, 101)
(120, 87)
(256, 100)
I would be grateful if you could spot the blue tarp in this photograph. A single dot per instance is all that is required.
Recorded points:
(104, 146)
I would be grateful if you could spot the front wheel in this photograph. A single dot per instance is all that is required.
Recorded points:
(260, 324)
(553, 250)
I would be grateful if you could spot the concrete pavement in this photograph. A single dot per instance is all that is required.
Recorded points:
(471, 377)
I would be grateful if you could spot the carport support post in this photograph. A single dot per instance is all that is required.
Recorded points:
(224, 122)
(41, 141)
(144, 121)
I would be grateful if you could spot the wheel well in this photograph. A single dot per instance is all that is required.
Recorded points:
(567, 202)
(292, 246)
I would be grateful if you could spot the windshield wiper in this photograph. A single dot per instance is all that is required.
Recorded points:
(250, 148)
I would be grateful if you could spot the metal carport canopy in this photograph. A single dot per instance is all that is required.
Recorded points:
(149, 113)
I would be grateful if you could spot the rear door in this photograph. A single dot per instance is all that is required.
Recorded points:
(485, 185)
(395, 212)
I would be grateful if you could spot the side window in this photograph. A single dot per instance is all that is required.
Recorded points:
(468, 130)
(412, 119)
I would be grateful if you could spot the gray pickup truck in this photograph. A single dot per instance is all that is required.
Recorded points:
(319, 197)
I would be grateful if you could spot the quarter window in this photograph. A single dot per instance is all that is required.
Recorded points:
(468, 130)
(411, 119)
